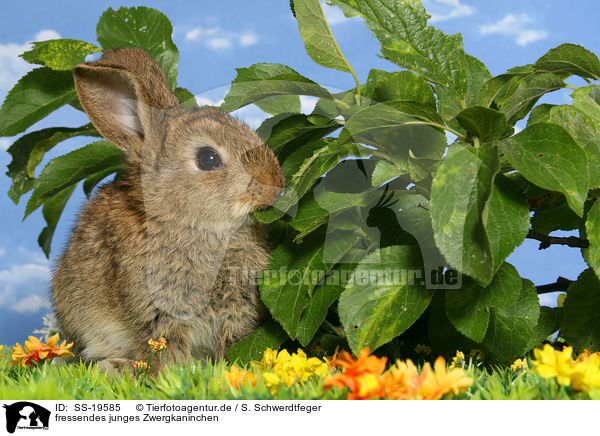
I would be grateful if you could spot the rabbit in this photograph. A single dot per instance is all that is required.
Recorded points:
(170, 248)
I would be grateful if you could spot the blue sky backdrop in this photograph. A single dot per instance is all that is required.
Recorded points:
(216, 37)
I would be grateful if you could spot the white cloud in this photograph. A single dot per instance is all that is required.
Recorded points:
(221, 43)
(12, 67)
(46, 34)
(23, 287)
(206, 101)
(200, 31)
(2, 251)
(31, 304)
(443, 10)
(219, 39)
(251, 115)
(248, 39)
(4, 144)
(307, 104)
(517, 26)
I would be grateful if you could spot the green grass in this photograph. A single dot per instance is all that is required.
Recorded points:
(194, 381)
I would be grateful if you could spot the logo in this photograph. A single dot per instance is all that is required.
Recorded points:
(26, 415)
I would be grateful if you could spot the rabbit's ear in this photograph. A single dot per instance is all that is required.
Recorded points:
(119, 93)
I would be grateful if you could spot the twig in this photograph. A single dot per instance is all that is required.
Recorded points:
(561, 284)
(546, 241)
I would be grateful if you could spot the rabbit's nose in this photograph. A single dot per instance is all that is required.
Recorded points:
(266, 179)
(264, 189)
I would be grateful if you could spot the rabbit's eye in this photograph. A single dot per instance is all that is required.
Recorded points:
(208, 159)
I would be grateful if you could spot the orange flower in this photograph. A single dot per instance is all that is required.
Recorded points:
(140, 367)
(362, 376)
(159, 345)
(586, 355)
(403, 381)
(235, 377)
(35, 351)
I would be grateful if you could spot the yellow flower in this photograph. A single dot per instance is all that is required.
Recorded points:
(236, 377)
(553, 363)
(159, 345)
(288, 369)
(1, 347)
(587, 375)
(269, 358)
(458, 360)
(35, 351)
(519, 365)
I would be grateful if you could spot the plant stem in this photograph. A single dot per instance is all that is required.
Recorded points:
(546, 240)
(561, 284)
(334, 329)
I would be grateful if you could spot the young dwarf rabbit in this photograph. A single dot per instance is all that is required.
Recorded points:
(168, 249)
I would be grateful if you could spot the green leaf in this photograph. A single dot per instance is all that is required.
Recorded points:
(186, 98)
(586, 133)
(506, 218)
(142, 27)
(316, 210)
(252, 347)
(445, 339)
(592, 229)
(561, 217)
(391, 115)
(528, 91)
(511, 327)
(498, 87)
(540, 114)
(38, 93)
(318, 39)
(405, 131)
(384, 172)
(295, 271)
(280, 104)
(572, 59)
(92, 180)
(69, 169)
(459, 193)
(580, 325)
(323, 297)
(478, 216)
(469, 308)
(407, 40)
(52, 211)
(260, 81)
(477, 76)
(302, 169)
(546, 155)
(587, 100)
(28, 151)
(547, 324)
(374, 309)
(59, 54)
(292, 131)
(383, 86)
(487, 124)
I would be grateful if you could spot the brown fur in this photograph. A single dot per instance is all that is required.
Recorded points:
(162, 250)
